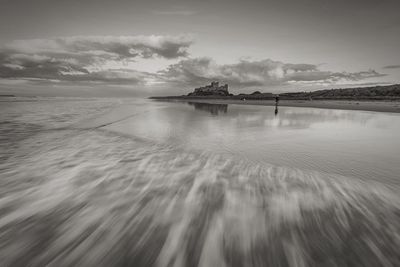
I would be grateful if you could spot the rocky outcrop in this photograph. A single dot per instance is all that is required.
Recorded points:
(212, 89)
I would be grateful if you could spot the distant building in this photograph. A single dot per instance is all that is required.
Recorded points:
(212, 89)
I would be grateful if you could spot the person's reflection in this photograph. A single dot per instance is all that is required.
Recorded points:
(214, 109)
(276, 104)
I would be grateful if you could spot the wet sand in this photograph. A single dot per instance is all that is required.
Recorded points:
(75, 192)
(378, 106)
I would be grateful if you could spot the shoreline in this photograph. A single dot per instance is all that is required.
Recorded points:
(365, 105)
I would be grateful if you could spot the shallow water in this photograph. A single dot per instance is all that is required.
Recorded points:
(111, 182)
(359, 144)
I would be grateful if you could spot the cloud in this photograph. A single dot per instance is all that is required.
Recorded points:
(255, 73)
(175, 10)
(179, 12)
(392, 67)
(106, 46)
(109, 60)
(84, 58)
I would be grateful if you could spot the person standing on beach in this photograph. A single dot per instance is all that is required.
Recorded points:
(276, 99)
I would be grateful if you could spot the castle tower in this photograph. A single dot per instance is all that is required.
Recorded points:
(214, 85)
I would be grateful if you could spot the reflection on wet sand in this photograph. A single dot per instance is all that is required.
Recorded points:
(73, 196)
(214, 109)
(335, 141)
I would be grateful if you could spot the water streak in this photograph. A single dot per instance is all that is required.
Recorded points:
(74, 197)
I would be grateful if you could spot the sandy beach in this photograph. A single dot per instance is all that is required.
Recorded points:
(133, 182)
(378, 106)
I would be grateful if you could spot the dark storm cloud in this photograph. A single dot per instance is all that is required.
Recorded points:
(83, 58)
(392, 67)
(255, 73)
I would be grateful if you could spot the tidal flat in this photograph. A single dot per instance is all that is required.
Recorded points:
(133, 182)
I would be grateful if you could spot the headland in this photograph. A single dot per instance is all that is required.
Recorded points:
(377, 98)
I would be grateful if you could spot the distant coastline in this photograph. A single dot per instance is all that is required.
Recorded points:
(7, 95)
(386, 92)
(377, 98)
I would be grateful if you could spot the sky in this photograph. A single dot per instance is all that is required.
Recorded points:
(163, 47)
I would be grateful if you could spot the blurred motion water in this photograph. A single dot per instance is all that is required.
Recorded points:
(128, 182)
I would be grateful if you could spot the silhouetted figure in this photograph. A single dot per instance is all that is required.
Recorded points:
(276, 104)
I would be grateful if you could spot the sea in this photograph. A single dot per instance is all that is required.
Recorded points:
(139, 182)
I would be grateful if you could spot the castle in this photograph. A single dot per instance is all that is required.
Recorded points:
(212, 89)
